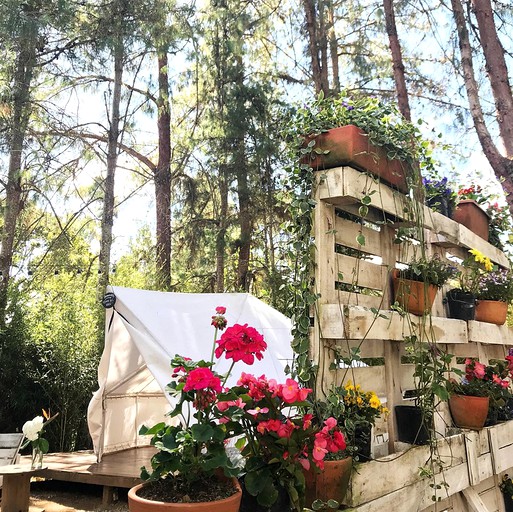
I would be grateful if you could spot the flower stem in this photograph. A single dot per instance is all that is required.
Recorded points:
(213, 346)
(229, 372)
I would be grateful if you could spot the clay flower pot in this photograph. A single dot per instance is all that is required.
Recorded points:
(331, 483)
(348, 145)
(471, 215)
(138, 504)
(413, 296)
(491, 311)
(469, 411)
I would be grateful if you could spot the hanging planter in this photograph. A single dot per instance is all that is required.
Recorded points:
(331, 483)
(414, 297)
(469, 411)
(470, 214)
(491, 311)
(349, 145)
(462, 305)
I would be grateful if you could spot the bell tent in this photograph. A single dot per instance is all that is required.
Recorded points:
(144, 331)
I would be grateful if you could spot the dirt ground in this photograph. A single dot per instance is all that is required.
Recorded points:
(54, 496)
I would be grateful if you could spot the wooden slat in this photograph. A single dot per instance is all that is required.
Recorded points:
(474, 501)
(361, 323)
(347, 232)
(10, 440)
(360, 272)
(345, 185)
(484, 332)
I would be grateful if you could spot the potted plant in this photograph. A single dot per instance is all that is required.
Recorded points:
(363, 132)
(499, 223)
(495, 292)
(416, 285)
(278, 441)
(506, 487)
(439, 196)
(192, 470)
(469, 211)
(432, 367)
(462, 300)
(478, 395)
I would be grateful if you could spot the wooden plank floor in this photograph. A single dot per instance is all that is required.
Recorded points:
(121, 469)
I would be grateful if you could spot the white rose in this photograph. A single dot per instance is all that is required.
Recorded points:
(32, 428)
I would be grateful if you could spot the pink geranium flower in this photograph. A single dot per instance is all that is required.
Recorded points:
(202, 378)
(241, 343)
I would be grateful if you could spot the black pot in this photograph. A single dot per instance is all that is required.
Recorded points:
(412, 427)
(462, 305)
(506, 413)
(508, 503)
(249, 502)
(440, 204)
(362, 440)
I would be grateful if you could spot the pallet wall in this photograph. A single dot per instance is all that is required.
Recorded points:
(353, 262)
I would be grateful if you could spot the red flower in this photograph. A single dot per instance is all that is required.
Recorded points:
(220, 310)
(241, 343)
(202, 378)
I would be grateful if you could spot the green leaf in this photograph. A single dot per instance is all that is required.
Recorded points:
(202, 433)
(360, 239)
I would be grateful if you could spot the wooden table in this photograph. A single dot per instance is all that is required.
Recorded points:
(16, 487)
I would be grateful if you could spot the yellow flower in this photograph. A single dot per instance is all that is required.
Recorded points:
(478, 256)
(359, 400)
(374, 401)
(349, 386)
(488, 265)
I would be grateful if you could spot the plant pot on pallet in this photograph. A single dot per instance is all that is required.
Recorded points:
(462, 305)
(331, 483)
(491, 311)
(138, 504)
(348, 145)
(411, 425)
(413, 296)
(469, 411)
(363, 442)
(471, 215)
(508, 503)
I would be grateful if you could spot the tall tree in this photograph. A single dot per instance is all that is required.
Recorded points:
(397, 60)
(499, 82)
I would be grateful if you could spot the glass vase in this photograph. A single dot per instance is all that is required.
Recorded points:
(37, 458)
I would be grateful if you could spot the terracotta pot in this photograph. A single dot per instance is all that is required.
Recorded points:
(491, 311)
(469, 411)
(138, 504)
(348, 145)
(329, 484)
(471, 215)
(413, 296)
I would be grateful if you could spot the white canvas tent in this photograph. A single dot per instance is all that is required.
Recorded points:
(144, 330)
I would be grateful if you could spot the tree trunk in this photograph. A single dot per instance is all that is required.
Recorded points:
(23, 74)
(397, 60)
(163, 178)
(221, 232)
(497, 71)
(317, 40)
(112, 160)
(502, 166)
(333, 48)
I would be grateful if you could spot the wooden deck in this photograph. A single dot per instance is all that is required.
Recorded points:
(121, 469)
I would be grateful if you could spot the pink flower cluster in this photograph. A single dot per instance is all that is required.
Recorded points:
(241, 343)
(476, 370)
(328, 440)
